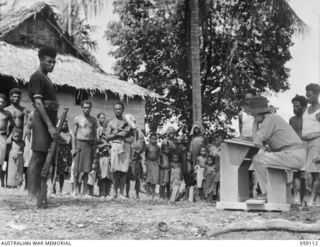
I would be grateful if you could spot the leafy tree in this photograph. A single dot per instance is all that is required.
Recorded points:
(243, 44)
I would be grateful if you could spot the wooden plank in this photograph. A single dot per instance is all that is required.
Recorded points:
(231, 205)
(283, 207)
(254, 201)
(241, 142)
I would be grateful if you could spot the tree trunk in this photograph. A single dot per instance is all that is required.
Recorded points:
(195, 59)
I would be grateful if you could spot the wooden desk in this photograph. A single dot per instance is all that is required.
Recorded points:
(236, 158)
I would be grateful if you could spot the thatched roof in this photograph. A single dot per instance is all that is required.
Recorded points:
(20, 63)
(12, 19)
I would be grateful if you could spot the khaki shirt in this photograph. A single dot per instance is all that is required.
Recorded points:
(276, 132)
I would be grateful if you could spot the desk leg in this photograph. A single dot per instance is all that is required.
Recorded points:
(243, 181)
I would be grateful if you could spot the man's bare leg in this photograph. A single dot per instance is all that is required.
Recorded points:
(315, 189)
(116, 182)
(34, 175)
(85, 183)
(137, 188)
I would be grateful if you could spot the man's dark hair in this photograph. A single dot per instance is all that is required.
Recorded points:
(2, 96)
(314, 87)
(47, 51)
(15, 91)
(119, 103)
(99, 114)
(301, 99)
(251, 91)
(88, 102)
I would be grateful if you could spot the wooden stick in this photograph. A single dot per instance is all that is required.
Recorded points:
(265, 225)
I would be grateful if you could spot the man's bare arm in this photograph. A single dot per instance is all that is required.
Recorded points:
(44, 115)
(12, 122)
(74, 136)
(95, 127)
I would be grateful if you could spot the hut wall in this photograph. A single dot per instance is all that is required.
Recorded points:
(35, 32)
(99, 104)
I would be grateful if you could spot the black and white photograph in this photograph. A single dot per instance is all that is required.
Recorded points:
(159, 120)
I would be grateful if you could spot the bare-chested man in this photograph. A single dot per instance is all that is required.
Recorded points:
(84, 146)
(119, 133)
(18, 112)
(5, 119)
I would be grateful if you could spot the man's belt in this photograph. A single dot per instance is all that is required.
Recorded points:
(291, 147)
(51, 105)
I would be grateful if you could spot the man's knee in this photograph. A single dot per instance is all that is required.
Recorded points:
(259, 159)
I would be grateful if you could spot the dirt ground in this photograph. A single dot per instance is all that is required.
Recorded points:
(81, 218)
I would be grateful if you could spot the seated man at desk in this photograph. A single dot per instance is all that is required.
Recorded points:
(287, 150)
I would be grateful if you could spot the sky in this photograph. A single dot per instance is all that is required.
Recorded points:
(304, 65)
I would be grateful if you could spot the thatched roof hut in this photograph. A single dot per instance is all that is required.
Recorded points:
(24, 30)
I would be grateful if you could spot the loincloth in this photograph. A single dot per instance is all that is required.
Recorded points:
(83, 157)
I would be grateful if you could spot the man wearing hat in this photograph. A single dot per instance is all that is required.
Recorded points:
(287, 149)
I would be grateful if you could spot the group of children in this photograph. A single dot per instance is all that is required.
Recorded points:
(184, 170)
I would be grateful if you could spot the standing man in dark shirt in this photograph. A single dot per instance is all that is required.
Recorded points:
(299, 106)
(42, 94)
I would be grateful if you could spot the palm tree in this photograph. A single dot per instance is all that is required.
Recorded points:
(195, 60)
(275, 7)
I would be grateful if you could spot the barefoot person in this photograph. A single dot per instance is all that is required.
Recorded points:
(15, 160)
(197, 140)
(42, 94)
(18, 112)
(152, 154)
(5, 119)
(168, 147)
(63, 158)
(287, 149)
(137, 148)
(311, 134)
(85, 145)
(299, 106)
(118, 133)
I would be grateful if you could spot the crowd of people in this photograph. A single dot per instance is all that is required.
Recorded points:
(112, 153)
(181, 166)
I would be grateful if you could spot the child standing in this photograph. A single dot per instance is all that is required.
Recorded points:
(152, 158)
(168, 147)
(210, 179)
(199, 169)
(63, 158)
(5, 119)
(176, 176)
(15, 161)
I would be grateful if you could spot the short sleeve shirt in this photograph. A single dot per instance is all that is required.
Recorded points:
(41, 87)
(276, 132)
